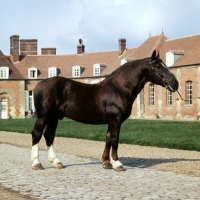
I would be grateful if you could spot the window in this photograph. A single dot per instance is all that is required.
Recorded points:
(123, 61)
(98, 68)
(189, 92)
(32, 72)
(76, 71)
(169, 59)
(151, 89)
(29, 101)
(169, 98)
(4, 72)
(52, 71)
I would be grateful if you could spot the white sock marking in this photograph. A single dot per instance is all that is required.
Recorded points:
(35, 155)
(52, 155)
(115, 164)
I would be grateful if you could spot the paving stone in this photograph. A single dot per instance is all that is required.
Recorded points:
(84, 178)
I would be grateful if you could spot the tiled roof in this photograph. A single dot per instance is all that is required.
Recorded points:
(64, 63)
(151, 44)
(13, 72)
(188, 47)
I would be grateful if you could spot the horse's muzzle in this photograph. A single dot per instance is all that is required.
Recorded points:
(172, 87)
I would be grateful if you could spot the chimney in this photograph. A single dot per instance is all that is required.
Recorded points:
(14, 47)
(80, 47)
(122, 45)
(28, 47)
(48, 51)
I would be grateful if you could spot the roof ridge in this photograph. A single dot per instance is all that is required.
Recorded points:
(75, 53)
(183, 37)
(157, 35)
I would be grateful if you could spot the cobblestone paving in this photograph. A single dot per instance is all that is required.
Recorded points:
(84, 178)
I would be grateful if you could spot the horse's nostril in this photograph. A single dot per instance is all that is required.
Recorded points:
(166, 83)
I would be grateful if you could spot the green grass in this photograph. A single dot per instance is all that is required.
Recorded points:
(170, 134)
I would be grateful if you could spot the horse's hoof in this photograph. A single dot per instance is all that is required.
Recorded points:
(58, 165)
(107, 166)
(38, 167)
(119, 169)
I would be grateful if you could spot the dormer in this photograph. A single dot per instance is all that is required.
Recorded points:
(32, 72)
(52, 71)
(4, 72)
(98, 68)
(77, 71)
(123, 61)
(169, 59)
(173, 56)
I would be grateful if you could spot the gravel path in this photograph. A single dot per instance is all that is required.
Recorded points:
(162, 159)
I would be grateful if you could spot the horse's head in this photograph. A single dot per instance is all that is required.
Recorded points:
(160, 74)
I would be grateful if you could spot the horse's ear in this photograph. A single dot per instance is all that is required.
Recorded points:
(153, 55)
(158, 55)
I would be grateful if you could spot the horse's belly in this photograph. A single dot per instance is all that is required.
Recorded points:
(87, 118)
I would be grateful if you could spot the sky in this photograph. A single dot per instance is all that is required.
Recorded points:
(99, 23)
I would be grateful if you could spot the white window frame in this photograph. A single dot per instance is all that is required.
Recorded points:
(189, 93)
(169, 98)
(52, 71)
(4, 72)
(29, 101)
(76, 71)
(32, 72)
(123, 61)
(151, 95)
(96, 69)
(169, 59)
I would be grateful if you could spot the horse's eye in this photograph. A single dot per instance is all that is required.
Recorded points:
(157, 65)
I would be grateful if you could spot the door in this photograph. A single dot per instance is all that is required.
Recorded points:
(4, 109)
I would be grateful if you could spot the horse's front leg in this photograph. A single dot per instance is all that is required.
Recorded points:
(106, 152)
(112, 139)
(36, 136)
(114, 130)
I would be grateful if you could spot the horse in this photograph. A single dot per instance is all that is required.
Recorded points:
(107, 102)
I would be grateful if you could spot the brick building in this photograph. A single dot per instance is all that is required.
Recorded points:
(24, 68)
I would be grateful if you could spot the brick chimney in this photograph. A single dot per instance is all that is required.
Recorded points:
(48, 51)
(122, 45)
(14, 47)
(28, 47)
(80, 47)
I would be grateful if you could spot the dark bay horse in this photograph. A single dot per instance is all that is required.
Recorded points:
(108, 102)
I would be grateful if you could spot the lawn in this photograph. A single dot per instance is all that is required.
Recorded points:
(171, 134)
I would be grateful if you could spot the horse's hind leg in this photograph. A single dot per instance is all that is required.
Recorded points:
(36, 136)
(49, 135)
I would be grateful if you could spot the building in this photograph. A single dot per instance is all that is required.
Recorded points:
(24, 68)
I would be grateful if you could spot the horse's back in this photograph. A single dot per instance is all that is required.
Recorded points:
(65, 98)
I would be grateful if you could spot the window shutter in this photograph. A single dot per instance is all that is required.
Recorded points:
(26, 100)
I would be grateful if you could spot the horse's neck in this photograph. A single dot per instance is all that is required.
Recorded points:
(136, 77)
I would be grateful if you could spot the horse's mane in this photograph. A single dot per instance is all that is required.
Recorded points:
(125, 67)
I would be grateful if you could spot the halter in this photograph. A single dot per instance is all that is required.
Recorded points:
(166, 85)
(152, 66)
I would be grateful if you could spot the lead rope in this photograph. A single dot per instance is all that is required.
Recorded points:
(187, 100)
